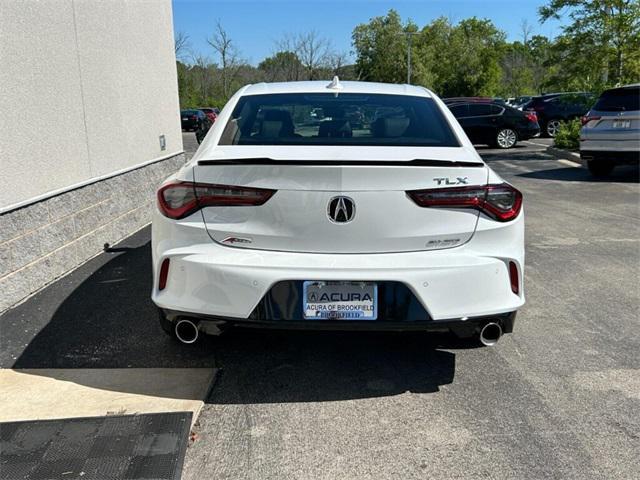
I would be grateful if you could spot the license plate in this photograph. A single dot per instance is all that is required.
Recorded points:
(340, 300)
(621, 123)
(185, 119)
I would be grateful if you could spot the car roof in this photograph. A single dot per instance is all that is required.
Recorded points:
(557, 94)
(322, 86)
(631, 85)
(468, 99)
(475, 102)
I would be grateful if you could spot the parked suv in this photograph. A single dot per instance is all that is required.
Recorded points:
(554, 108)
(397, 225)
(493, 124)
(610, 132)
(195, 121)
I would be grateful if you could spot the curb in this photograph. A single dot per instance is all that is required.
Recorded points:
(563, 154)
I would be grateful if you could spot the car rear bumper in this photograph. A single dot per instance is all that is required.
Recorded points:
(527, 133)
(206, 278)
(616, 157)
(463, 327)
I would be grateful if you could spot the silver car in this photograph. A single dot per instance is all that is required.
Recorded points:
(610, 132)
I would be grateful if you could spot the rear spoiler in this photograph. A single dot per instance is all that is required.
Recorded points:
(331, 163)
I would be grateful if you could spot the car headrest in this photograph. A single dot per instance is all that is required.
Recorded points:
(386, 127)
(277, 123)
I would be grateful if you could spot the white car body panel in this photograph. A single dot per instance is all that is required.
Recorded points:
(212, 279)
(454, 261)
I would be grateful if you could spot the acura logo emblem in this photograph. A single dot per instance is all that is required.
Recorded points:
(341, 209)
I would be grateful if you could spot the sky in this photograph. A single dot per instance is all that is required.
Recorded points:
(255, 26)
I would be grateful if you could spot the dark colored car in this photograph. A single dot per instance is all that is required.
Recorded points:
(211, 113)
(451, 100)
(554, 108)
(498, 100)
(195, 121)
(494, 124)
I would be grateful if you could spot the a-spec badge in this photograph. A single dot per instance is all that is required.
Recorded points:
(236, 240)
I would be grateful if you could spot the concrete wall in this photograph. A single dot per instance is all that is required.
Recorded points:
(87, 87)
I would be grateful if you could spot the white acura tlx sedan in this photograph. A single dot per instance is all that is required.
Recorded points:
(341, 205)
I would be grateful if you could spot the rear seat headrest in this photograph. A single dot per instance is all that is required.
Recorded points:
(277, 123)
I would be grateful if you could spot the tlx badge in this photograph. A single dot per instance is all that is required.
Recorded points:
(449, 181)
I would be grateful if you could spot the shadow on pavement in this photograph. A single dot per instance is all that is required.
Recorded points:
(623, 174)
(280, 367)
(99, 316)
(518, 146)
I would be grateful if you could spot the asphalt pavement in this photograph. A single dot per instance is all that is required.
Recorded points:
(559, 398)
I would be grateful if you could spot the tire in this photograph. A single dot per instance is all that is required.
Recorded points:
(506, 138)
(551, 128)
(598, 168)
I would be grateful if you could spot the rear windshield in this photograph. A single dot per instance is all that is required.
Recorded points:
(190, 112)
(337, 119)
(619, 100)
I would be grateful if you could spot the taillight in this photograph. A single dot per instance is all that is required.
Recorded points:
(180, 199)
(513, 277)
(531, 115)
(587, 118)
(164, 273)
(501, 202)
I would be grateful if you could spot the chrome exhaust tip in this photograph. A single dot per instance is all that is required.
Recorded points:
(186, 331)
(490, 334)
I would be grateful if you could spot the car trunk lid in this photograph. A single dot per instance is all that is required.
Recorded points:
(298, 217)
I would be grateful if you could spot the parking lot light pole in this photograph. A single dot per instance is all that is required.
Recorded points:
(409, 35)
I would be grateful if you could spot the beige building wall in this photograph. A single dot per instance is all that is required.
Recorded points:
(87, 87)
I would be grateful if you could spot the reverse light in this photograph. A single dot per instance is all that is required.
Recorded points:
(180, 199)
(501, 202)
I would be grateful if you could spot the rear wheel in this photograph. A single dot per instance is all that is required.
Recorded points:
(598, 168)
(552, 127)
(506, 138)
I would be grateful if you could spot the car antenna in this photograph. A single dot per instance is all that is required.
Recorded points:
(335, 85)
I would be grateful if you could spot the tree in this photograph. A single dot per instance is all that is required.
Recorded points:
(517, 74)
(541, 70)
(463, 59)
(337, 63)
(603, 36)
(182, 45)
(284, 66)
(230, 61)
(313, 51)
(381, 48)
(202, 74)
